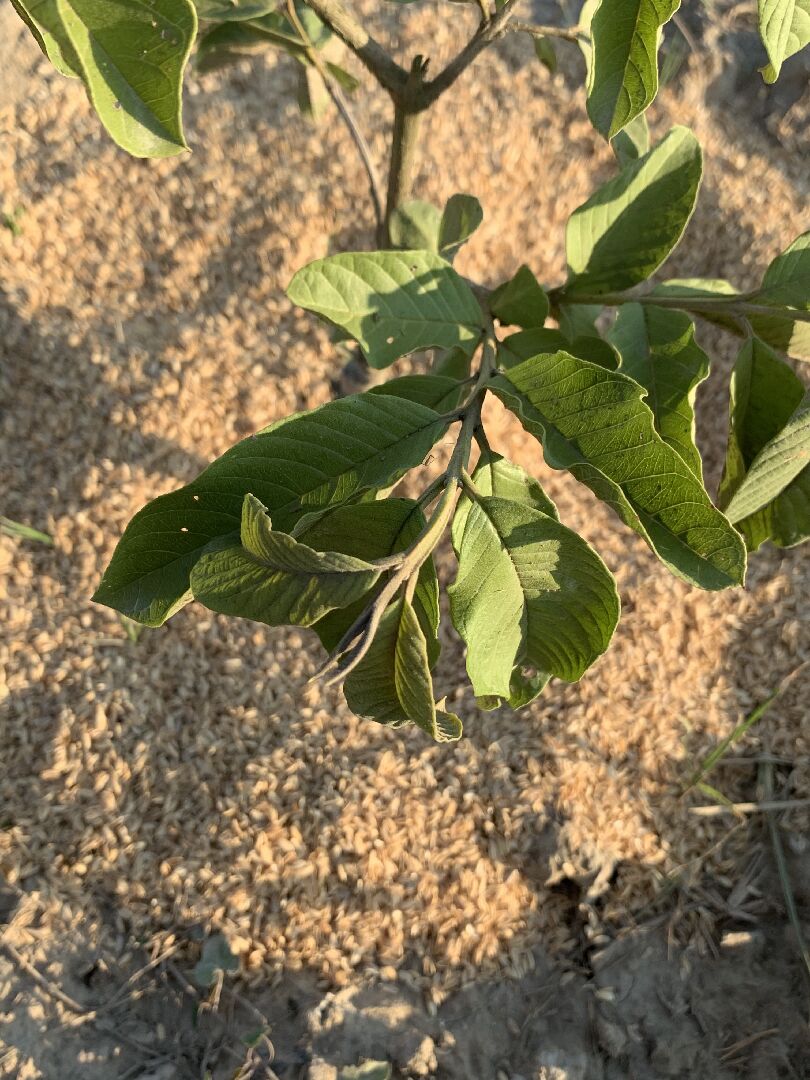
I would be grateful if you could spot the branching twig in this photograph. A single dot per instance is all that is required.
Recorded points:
(342, 106)
(486, 34)
(567, 33)
(383, 67)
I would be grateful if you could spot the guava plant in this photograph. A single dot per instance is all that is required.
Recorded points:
(301, 523)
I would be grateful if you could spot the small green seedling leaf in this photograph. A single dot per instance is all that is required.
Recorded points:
(369, 1070)
(630, 225)
(521, 301)
(392, 302)
(462, 216)
(625, 36)
(216, 957)
(131, 56)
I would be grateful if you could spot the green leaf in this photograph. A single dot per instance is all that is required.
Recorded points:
(546, 53)
(414, 686)
(233, 10)
(784, 26)
(305, 463)
(658, 350)
(632, 142)
(436, 391)
(24, 532)
(452, 363)
(216, 957)
(131, 55)
(516, 348)
(579, 320)
(767, 400)
(369, 1070)
(703, 288)
(787, 284)
(594, 423)
(529, 592)
(462, 216)
(65, 64)
(274, 579)
(777, 464)
(630, 225)
(415, 225)
(391, 302)
(520, 301)
(625, 36)
(370, 531)
(495, 475)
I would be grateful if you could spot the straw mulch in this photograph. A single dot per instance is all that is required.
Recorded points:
(194, 776)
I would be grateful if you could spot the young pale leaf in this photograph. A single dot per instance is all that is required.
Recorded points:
(786, 284)
(131, 55)
(630, 225)
(462, 216)
(625, 35)
(767, 400)
(784, 26)
(373, 531)
(520, 301)
(658, 350)
(632, 142)
(274, 579)
(305, 463)
(529, 592)
(415, 226)
(391, 302)
(528, 343)
(594, 423)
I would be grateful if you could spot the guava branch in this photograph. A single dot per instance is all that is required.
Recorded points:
(382, 66)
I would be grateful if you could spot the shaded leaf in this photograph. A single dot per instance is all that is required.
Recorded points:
(630, 225)
(131, 55)
(521, 301)
(392, 302)
(625, 35)
(546, 53)
(461, 217)
(632, 142)
(415, 225)
(436, 391)
(274, 579)
(528, 343)
(658, 350)
(233, 10)
(373, 531)
(302, 464)
(594, 423)
(529, 591)
(787, 284)
(767, 397)
(66, 63)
